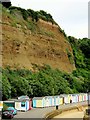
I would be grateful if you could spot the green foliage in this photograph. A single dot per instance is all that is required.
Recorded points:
(42, 31)
(70, 56)
(4, 107)
(79, 58)
(42, 83)
(72, 40)
(45, 16)
(63, 32)
(81, 52)
(23, 11)
(85, 46)
(19, 85)
(35, 15)
(27, 19)
(31, 26)
(6, 88)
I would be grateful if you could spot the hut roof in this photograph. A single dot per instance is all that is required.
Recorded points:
(21, 100)
(23, 97)
(38, 98)
(10, 100)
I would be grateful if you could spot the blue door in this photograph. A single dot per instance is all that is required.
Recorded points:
(34, 103)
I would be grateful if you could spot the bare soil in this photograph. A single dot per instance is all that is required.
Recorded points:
(21, 48)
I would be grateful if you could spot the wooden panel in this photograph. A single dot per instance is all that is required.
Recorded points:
(50, 101)
(53, 101)
(46, 102)
(1, 104)
(39, 103)
(34, 103)
(61, 101)
(18, 105)
(57, 101)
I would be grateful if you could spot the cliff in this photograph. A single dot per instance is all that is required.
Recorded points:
(27, 42)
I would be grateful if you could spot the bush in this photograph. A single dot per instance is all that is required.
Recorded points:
(24, 12)
(6, 4)
(85, 46)
(46, 81)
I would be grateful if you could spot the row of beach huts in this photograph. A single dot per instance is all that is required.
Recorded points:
(24, 103)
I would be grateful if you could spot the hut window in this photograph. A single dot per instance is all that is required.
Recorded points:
(23, 104)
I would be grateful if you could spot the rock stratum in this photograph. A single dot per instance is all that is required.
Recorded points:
(26, 43)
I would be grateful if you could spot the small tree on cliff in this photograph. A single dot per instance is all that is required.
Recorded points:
(6, 3)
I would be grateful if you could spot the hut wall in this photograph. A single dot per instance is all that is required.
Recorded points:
(34, 103)
(52, 101)
(1, 105)
(39, 103)
(61, 101)
(18, 105)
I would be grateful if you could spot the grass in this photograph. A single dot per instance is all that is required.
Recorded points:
(42, 31)
(31, 26)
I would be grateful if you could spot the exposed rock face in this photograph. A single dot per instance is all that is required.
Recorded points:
(21, 47)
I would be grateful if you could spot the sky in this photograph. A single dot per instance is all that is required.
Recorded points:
(71, 15)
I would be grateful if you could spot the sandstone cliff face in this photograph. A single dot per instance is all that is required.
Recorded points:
(22, 47)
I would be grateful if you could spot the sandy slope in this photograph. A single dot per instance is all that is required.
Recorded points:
(72, 114)
(42, 43)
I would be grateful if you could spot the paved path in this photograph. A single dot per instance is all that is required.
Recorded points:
(35, 113)
(41, 112)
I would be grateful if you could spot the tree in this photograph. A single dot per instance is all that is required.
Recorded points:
(85, 47)
(6, 3)
(6, 88)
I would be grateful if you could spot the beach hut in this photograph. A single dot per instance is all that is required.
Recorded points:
(80, 97)
(57, 100)
(27, 99)
(10, 103)
(22, 105)
(66, 98)
(39, 102)
(84, 97)
(88, 98)
(74, 99)
(48, 101)
(76, 95)
(53, 101)
(30, 104)
(70, 98)
(61, 100)
(23, 97)
(1, 105)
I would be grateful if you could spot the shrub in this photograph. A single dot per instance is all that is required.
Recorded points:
(6, 4)
(24, 12)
